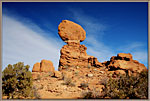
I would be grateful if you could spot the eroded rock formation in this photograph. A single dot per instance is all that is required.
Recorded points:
(79, 72)
(44, 66)
(124, 63)
(74, 54)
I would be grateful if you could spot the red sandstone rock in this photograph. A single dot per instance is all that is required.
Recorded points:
(47, 66)
(74, 54)
(69, 30)
(125, 56)
(120, 72)
(58, 74)
(44, 66)
(36, 67)
(124, 62)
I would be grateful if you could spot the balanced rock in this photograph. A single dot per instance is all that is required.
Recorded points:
(74, 54)
(70, 31)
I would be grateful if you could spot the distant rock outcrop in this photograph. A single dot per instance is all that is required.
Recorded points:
(122, 63)
(74, 54)
(44, 66)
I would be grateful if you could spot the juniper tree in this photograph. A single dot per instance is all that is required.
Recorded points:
(17, 81)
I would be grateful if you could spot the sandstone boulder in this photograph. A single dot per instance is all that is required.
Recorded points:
(58, 74)
(47, 66)
(36, 67)
(43, 66)
(71, 31)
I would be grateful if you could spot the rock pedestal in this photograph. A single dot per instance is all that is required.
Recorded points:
(74, 54)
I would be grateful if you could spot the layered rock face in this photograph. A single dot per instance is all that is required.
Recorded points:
(74, 54)
(124, 63)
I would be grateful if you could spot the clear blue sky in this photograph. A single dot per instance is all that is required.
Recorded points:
(30, 30)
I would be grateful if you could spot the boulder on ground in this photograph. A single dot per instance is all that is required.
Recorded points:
(44, 66)
(58, 74)
(47, 66)
(36, 67)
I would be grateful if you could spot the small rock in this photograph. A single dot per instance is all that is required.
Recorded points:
(95, 69)
(90, 75)
(58, 74)
(77, 67)
(101, 72)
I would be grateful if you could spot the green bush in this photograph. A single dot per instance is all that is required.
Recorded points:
(133, 87)
(17, 81)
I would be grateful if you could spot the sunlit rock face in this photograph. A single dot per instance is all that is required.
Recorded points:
(43, 66)
(124, 62)
(70, 31)
(74, 54)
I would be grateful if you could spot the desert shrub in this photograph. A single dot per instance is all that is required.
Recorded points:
(87, 95)
(76, 73)
(66, 67)
(133, 87)
(84, 85)
(38, 77)
(35, 92)
(68, 81)
(89, 66)
(103, 81)
(50, 74)
(91, 94)
(17, 81)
